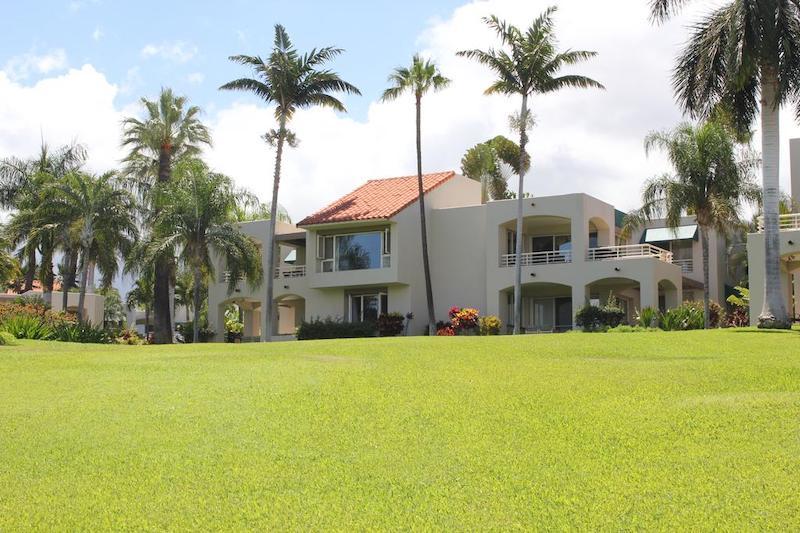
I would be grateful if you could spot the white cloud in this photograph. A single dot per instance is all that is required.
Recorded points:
(177, 51)
(23, 66)
(76, 106)
(97, 34)
(196, 78)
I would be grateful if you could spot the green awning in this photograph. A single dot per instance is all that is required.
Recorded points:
(670, 234)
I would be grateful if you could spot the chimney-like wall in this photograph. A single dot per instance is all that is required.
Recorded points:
(794, 168)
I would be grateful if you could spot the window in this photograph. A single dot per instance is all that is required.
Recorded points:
(542, 244)
(511, 242)
(553, 243)
(354, 251)
(593, 239)
(367, 307)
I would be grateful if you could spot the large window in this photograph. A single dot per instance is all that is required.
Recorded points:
(366, 307)
(553, 243)
(354, 251)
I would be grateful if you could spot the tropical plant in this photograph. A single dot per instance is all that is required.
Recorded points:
(23, 185)
(391, 324)
(418, 79)
(7, 339)
(710, 180)
(113, 309)
(99, 215)
(289, 81)
(745, 56)
(528, 64)
(28, 327)
(82, 332)
(330, 328)
(171, 131)
(490, 163)
(489, 325)
(141, 297)
(648, 317)
(184, 291)
(196, 221)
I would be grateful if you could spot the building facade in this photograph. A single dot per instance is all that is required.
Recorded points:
(361, 256)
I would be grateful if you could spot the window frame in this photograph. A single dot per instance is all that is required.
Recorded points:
(327, 264)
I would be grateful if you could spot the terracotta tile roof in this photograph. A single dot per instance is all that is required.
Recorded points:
(376, 199)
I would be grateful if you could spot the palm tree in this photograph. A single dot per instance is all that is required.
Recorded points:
(289, 81)
(529, 64)
(487, 162)
(710, 181)
(100, 215)
(746, 55)
(196, 221)
(141, 296)
(184, 291)
(22, 185)
(170, 132)
(418, 79)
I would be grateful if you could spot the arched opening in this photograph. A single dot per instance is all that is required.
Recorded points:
(545, 239)
(291, 311)
(625, 292)
(599, 233)
(546, 307)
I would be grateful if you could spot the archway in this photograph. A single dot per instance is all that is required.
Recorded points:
(626, 292)
(546, 307)
(599, 233)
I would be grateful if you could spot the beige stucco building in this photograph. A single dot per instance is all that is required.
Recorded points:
(361, 256)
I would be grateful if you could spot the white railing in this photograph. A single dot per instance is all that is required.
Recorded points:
(687, 265)
(606, 253)
(536, 258)
(298, 271)
(788, 222)
(226, 276)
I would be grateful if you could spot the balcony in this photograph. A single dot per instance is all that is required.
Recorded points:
(536, 258)
(687, 265)
(788, 222)
(606, 253)
(285, 272)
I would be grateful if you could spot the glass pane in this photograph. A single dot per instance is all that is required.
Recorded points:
(355, 309)
(359, 251)
(543, 244)
(384, 303)
(328, 248)
(370, 302)
(593, 239)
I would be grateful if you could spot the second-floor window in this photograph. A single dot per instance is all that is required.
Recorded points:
(353, 251)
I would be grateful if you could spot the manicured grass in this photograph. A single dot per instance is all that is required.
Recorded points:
(693, 430)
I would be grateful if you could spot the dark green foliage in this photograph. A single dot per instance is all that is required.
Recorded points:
(390, 324)
(7, 339)
(330, 328)
(205, 334)
(594, 318)
(82, 333)
(28, 327)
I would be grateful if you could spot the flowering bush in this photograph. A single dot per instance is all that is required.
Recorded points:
(128, 336)
(390, 324)
(445, 331)
(489, 325)
(464, 319)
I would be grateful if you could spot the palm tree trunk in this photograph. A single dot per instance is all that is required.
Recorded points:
(706, 292)
(84, 279)
(146, 320)
(266, 332)
(162, 331)
(30, 271)
(773, 313)
(426, 267)
(196, 328)
(523, 139)
(71, 265)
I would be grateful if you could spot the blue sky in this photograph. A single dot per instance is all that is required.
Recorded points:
(111, 35)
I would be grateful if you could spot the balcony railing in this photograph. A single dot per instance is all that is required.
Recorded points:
(536, 258)
(687, 265)
(298, 271)
(629, 251)
(788, 222)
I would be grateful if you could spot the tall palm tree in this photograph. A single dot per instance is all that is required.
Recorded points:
(746, 56)
(184, 291)
(141, 296)
(418, 79)
(710, 181)
(170, 131)
(197, 220)
(529, 63)
(487, 162)
(22, 185)
(289, 81)
(100, 214)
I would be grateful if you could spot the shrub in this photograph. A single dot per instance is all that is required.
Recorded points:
(391, 324)
(685, 317)
(648, 318)
(589, 318)
(624, 328)
(464, 320)
(489, 325)
(128, 336)
(330, 328)
(205, 334)
(33, 300)
(83, 333)
(716, 314)
(7, 339)
(445, 331)
(28, 327)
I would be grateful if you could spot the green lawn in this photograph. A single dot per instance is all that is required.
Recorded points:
(656, 430)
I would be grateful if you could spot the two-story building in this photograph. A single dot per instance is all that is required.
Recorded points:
(361, 256)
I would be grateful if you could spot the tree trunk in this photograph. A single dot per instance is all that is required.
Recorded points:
(523, 139)
(773, 313)
(146, 320)
(162, 330)
(196, 328)
(426, 267)
(266, 332)
(84, 279)
(71, 258)
(30, 271)
(706, 292)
